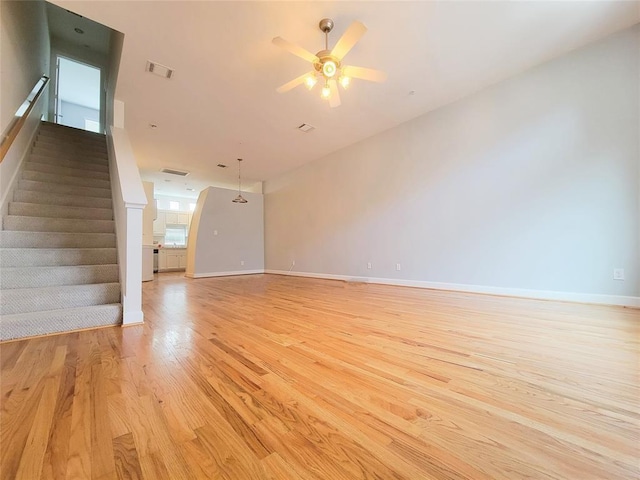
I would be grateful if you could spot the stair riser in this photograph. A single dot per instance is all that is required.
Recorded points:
(9, 239)
(63, 189)
(40, 277)
(26, 196)
(62, 130)
(40, 224)
(66, 163)
(78, 156)
(57, 211)
(71, 149)
(64, 180)
(51, 322)
(98, 157)
(56, 298)
(46, 137)
(66, 171)
(70, 141)
(43, 257)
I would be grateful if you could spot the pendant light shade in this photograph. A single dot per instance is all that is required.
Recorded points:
(239, 198)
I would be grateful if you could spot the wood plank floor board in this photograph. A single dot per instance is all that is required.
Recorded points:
(273, 377)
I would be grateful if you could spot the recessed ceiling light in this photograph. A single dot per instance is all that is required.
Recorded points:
(167, 180)
(191, 189)
(78, 30)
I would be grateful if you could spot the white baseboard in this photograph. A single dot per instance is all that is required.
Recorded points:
(132, 318)
(600, 299)
(223, 274)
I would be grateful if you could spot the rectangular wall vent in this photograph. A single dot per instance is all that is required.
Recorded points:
(159, 69)
(174, 172)
(305, 127)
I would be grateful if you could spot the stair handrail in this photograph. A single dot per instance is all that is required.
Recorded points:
(12, 131)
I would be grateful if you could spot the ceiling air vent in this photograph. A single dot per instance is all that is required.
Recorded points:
(305, 127)
(174, 172)
(158, 69)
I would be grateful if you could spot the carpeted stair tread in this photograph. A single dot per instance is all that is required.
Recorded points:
(52, 138)
(69, 163)
(28, 196)
(64, 189)
(65, 179)
(23, 300)
(86, 157)
(46, 257)
(54, 321)
(39, 277)
(33, 239)
(44, 224)
(32, 166)
(59, 211)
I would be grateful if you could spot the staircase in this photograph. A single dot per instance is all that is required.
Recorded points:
(58, 246)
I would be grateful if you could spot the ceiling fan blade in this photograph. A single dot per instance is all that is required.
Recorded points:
(355, 31)
(293, 83)
(364, 73)
(295, 49)
(334, 99)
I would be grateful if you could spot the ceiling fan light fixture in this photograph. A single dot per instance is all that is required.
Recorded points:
(310, 81)
(326, 91)
(329, 68)
(328, 64)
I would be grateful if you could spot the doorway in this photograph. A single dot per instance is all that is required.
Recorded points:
(77, 102)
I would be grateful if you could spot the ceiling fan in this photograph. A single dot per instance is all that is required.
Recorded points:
(327, 64)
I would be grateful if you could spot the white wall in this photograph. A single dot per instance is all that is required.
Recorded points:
(530, 186)
(148, 214)
(24, 53)
(223, 234)
(74, 115)
(129, 201)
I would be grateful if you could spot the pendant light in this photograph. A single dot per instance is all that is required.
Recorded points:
(239, 198)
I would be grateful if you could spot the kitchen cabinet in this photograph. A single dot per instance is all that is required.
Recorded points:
(176, 218)
(159, 224)
(172, 259)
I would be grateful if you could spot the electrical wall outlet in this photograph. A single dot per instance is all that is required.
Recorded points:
(293, 263)
(215, 232)
(618, 273)
(369, 265)
(398, 267)
(241, 262)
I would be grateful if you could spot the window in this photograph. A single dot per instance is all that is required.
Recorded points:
(175, 235)
(174, 205)
(192, 207)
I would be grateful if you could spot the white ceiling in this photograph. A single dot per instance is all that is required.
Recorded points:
(221, 102)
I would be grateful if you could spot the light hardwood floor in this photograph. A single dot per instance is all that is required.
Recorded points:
(272, 377)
